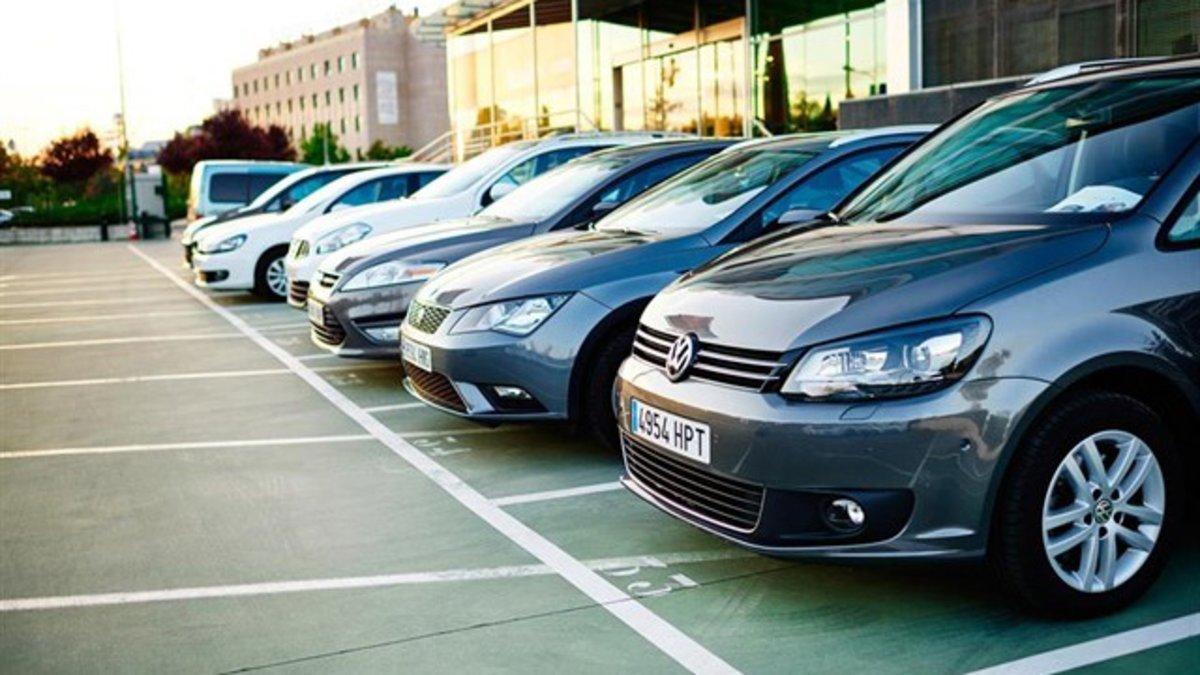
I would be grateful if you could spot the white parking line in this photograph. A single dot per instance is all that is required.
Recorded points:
(10, 291)
(113, 274)
(169, 377)
(342, 583)
(653, 628)
(394, 406)
(557, 494)
(1101, 649)
(195, 445)
(314, 357)
(100, 317)
(120, 341)
(78, 303)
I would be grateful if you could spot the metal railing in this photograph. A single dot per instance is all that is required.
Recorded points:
(459, 145)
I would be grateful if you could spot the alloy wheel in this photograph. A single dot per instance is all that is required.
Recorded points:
(1103, 511)
(277, 278)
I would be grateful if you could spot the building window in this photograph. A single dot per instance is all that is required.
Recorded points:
(326, 67)
(354, 61)
(312, 71)
(276, 80)
(300, 74)
(278, 107)
(356, 92)
(235, 91)
(255, 83)
(314, 101)
(303, 135)
(289, 106)
(328, 97)
(341, 63)
(342, 124)
(1167, 27)
(341, 94)
(357, 123)
(300, 101)
(245, 89)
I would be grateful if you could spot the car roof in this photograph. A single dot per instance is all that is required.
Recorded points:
(248, 163)
(1132, 69)
(821, 141)
(649, 151)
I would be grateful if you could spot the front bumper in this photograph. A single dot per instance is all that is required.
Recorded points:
(922, 468)
(301, 272)
(223, 271)
(347, 316)
(467, 366)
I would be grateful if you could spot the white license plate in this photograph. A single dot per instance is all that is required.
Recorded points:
(316, 312)
(417, 354)
(670, 432)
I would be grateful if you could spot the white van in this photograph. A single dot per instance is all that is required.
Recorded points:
(219, 185)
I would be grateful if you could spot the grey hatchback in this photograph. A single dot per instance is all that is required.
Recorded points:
(536, 329)
(993, 349)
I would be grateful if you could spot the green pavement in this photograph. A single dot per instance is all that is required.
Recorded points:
(235, 519)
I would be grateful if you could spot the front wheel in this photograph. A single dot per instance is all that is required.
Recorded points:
(270, 275)
(1085, 519)
(599, 397)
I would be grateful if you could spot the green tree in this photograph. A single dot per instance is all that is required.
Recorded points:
(314, 148)
(380, 151)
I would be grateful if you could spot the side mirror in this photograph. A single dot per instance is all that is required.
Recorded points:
(339, 206)
(498, 191)
(796, 216)
(602, 209)
(286, 203)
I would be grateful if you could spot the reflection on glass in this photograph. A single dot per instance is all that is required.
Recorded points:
(471, 67)
(512, 45)
(721, 96)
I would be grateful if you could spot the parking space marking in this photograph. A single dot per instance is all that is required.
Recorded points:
(654, 629)
(314, 357)
(77, 303)
(557, 494)
(617, 565)
(395, 406)
(100, 317)
(194, 445)
(1102, 649)
(170, 377)
(121, 341)
(79, 275)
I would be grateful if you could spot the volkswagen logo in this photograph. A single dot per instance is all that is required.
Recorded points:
(1103, 511)
(681, 356)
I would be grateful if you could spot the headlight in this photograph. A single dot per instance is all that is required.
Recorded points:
(900, 362)
(224, 246)
(392, 273)
(342, 237)
(514, 317)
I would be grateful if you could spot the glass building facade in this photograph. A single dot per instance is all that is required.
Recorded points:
(753, 67)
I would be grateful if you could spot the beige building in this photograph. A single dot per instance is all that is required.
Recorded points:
(370, 80)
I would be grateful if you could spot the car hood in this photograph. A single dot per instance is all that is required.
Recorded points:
(388, 216)
(427, 240)
(823, 284)
(559, 262)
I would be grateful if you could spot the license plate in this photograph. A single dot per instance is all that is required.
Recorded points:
(316, 312)
(417, 354)
(670, 432)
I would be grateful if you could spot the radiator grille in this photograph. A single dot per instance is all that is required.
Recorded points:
(426, 318)
(434, 387)
(745, 368)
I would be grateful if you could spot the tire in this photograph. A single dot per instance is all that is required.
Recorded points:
(1040, 486)
(264, 274)
(599, 417)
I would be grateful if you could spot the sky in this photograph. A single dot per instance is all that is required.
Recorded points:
(58, 59)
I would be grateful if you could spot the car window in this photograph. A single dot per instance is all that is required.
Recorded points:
(828, 186)
(646, 177)
(707, 193)
(259, 182)
(228, 188)
(395, 187)
(373, 191)
(1078, 152)
(536, 166)
(1186, 229)
(467, 174)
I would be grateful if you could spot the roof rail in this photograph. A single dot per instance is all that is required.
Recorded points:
(1073, 69)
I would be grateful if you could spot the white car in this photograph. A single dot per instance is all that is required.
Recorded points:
(247, 254)
(461, 192)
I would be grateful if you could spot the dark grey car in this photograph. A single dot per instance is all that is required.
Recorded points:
(362, 292)
(993, 348)
(535, 330)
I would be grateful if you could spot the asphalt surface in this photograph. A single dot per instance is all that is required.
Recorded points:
(187, 484)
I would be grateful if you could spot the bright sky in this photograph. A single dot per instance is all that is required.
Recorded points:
(59, 58)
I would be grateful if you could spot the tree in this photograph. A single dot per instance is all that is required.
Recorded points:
(75, 159)
(314, 148)
(225, 135)
(382, 152)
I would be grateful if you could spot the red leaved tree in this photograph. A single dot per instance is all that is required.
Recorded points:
(226, 135)
(75, 159)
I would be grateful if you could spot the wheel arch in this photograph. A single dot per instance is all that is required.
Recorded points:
(1153, 381)
(613, 323)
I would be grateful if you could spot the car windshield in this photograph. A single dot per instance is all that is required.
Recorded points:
(470, 172)
(276, 189)
(545, 195)
(1090, 150)
(702, 196)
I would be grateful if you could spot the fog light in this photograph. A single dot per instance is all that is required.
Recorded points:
(845, 515)
(384, 333)
(512, 393)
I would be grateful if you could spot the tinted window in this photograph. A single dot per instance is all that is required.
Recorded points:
(370, 192)
(536, 166)
(259, 182)
(646, 177)
(1187, 227)
(1088, 149)
(468, 173)
(825, 188)
(310, 185)
(549, 193)
(228, 188)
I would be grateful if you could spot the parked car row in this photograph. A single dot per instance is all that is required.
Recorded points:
(977, 343)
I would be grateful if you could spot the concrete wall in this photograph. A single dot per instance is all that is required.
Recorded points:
(927, 106)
